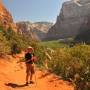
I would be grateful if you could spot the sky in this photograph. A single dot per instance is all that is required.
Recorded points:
(34, 10)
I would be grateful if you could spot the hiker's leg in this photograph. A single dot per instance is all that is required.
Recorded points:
(27, 77)
(27, 72)
(31, 76)
(32, 72)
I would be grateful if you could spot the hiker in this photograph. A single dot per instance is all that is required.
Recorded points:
(29, 60)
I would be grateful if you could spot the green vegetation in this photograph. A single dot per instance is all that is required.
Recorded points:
(4, 44)
(72, 63)
(53, 44)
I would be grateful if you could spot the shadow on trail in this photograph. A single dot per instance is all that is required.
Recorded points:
(13, 85)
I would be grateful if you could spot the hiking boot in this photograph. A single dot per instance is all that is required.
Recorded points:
(31, 82)
(26, 84)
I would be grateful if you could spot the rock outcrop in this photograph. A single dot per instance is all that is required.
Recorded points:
(36, 30)
(6, 19)
(74, 16)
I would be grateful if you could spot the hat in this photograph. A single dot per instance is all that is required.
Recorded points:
(30, 47)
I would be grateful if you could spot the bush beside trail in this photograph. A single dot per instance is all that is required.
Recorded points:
(4, 45)
(72, 64)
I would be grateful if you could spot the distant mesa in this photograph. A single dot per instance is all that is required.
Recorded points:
(37, 30)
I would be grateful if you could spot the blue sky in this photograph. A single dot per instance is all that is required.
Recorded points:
(34, 10)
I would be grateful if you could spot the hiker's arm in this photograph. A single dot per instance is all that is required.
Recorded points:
(32, 59)
(28, 60)
(22, 59)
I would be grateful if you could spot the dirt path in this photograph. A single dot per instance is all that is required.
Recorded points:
(12, 77)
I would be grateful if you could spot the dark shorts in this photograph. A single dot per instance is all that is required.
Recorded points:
(30, 68)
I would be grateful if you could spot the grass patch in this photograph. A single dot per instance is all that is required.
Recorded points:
(53, 44)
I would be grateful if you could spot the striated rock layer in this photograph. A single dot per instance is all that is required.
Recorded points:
(74, 16)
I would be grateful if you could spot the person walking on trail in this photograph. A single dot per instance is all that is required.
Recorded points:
(29, 61)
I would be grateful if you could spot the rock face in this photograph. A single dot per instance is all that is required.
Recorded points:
(6, 19)
(36, 30)
(74, 16)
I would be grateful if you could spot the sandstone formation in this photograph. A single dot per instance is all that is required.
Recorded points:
(6, 19)
(74, 17)
(36, 30)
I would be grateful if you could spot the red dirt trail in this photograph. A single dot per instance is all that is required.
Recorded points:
(12, 77)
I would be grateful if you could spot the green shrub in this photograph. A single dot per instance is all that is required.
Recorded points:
(72, 62)
(4, 44)
(39, 52)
